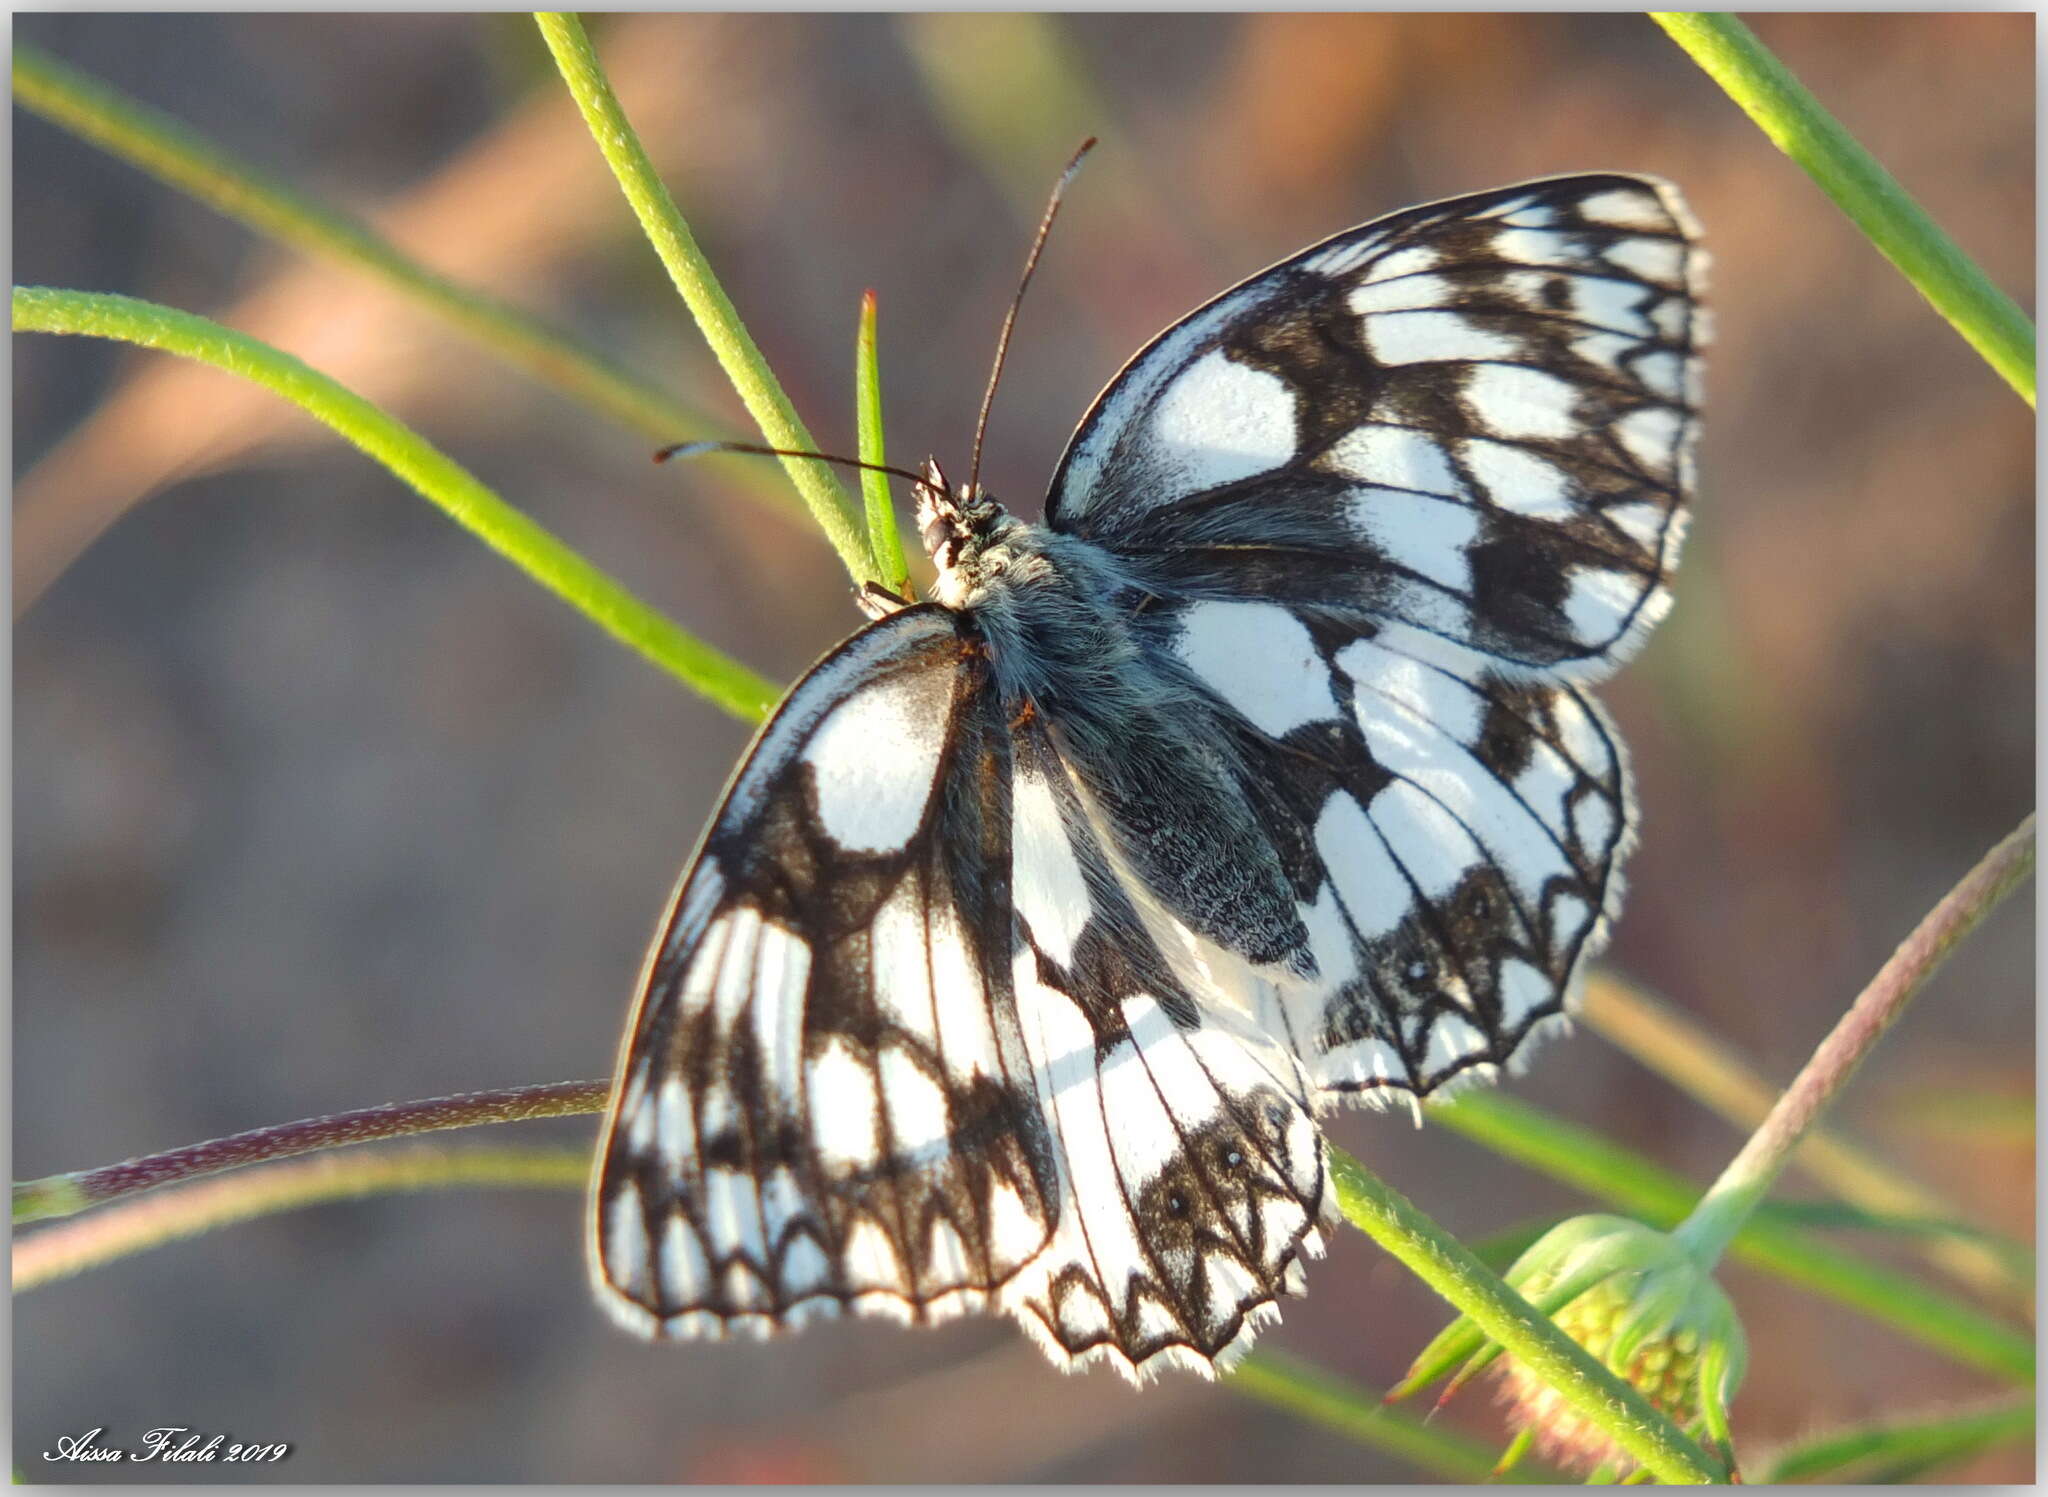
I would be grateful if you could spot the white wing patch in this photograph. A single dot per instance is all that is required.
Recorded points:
(1191, 1168)
(1189, 1193)
(874, 759)
(1260, 660)
(1219, 422)
(769, 1160)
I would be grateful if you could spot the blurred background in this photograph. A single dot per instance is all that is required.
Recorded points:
(318, 804)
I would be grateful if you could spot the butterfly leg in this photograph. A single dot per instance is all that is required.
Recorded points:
(877, 601)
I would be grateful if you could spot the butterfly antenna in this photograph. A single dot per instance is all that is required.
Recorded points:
(988, 398)
(750, 449)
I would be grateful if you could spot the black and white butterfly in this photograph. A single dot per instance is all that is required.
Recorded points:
(1041, 919)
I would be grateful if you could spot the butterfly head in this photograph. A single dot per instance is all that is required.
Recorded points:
(958, 526)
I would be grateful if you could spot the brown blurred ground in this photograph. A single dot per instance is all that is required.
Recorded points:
(318, 804)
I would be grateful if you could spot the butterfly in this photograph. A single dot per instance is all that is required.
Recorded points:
(1043, 917)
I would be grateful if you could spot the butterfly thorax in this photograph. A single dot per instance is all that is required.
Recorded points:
(1052, 609)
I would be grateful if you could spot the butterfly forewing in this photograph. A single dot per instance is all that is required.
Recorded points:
(824, 1102)
(1475, 418)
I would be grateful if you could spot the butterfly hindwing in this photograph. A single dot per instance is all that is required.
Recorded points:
(1474, 417)
(1437, 845)
(1192, 1167)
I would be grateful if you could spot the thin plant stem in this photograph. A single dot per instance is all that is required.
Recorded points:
(730, 341)
(517, 537)
(883, 538)
(66, 1195)
(1944, 1435)
(1730, 53)
(1360, 1414)
(1751, 1174)
(1686, 1055)
(1449, 1267)
(180, 157)
(1519, 1131)
(60, 1252)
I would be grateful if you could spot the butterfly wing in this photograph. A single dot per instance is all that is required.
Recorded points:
(902, 1049)
(1474, 418)
(1443, 842)
(824, 1103)
(1192, 1169)
(1391, 500)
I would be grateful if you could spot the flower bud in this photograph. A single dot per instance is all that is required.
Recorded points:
(1642, 1305)
(1649, 1313)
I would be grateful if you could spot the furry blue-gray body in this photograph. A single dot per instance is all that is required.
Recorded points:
(1080, 638)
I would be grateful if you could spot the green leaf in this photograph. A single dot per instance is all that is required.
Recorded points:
(1851, 1454)
(883, 538)
(1358, 1414)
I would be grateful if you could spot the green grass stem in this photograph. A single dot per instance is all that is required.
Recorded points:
(61, 1252)
(883, 537)
(1859, 1454)
(1359, 1414)
(182, 158)
(1730, 53)
(518, 538)
(730, 341)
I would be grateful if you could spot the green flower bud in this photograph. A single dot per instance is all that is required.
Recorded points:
(1647, 1310)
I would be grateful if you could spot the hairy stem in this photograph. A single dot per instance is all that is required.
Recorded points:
(1449, 1267)
(517, 537)
(65, 1195)
(734, 346)
(1684, 1054)
(1750, 1175)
